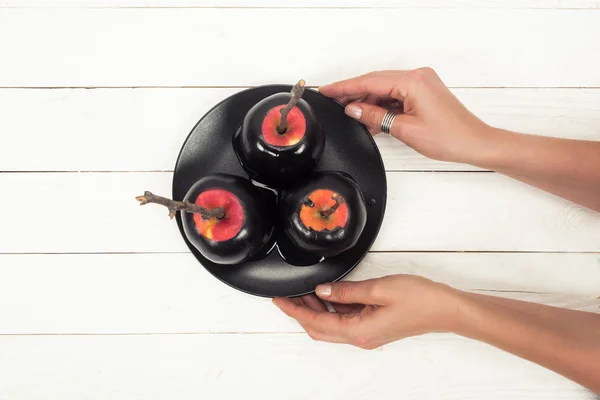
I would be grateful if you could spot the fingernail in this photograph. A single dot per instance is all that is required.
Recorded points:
(324, 290)
(353, 111)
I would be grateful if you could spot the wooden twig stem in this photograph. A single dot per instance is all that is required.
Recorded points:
(296, 93)
(184, 206)
(339, 200)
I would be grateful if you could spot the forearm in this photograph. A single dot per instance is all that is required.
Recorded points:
(567, 168)
(548, 314)
(565, 341)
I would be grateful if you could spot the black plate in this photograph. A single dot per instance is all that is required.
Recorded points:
(349, 148)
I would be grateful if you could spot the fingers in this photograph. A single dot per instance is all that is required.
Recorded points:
(370, 99)
(349, 99)
(314, 303)
(372, 116)
(355, 329)
(328, 324)
(314, 333)
(364, 292)
(382, 83)
(383, 101)
(348, 308)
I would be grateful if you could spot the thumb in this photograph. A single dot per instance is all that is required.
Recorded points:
(372, 116)
(365, 292)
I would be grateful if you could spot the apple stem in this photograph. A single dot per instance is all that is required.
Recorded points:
(184, 206)
(339, 200)
(296, 93)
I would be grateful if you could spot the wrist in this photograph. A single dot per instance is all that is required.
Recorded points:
(451, 307)
(476, 314)
(492, 148)
(462, 313)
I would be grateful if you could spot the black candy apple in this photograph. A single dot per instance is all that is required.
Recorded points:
(280, 138)
(225, 217)
(324, 214)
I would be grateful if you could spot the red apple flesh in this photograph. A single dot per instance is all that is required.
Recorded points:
(293, 133)
(219, 229)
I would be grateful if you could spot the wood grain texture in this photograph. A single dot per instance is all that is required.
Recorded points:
(582, 4)
(117, 324)
(172, 293)
(143, 129)
(288, 366)
(97, 212)
(208, 47)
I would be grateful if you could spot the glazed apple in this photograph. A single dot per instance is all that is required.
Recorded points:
(280, 138)
(324, 214)
(225, 217)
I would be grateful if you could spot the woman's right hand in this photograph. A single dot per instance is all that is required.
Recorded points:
(433, 122)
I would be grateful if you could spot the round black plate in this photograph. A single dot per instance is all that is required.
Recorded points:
(349, 148)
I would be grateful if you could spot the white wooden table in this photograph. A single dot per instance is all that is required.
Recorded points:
(102, 300)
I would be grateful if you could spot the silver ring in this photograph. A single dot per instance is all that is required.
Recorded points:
(388, 120)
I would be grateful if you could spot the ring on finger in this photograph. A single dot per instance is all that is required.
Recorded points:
(388, 120)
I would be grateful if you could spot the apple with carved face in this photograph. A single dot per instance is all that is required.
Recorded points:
(324, 214)
(280, 138)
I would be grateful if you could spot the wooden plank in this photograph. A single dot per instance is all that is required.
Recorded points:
(214, 47)
(143, 129)
(592, 4)
(97, 212)
(267, 367)
(166, 293)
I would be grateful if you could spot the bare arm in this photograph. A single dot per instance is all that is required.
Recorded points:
(434, 122)
(567, 168)
(438, 126)
(387, 309)
(565, 341)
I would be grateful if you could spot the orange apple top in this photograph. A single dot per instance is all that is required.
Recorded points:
(294, 132)
(219, 229)
(323, 200)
